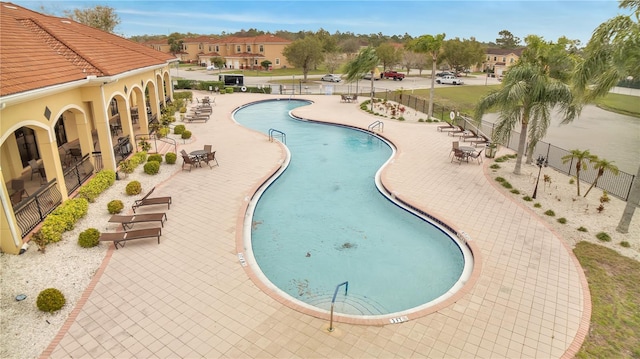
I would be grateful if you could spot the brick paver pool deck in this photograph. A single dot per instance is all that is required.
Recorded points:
(190, 297)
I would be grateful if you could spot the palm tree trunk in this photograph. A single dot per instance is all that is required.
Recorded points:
(592, 185)
(372, 73)
(521, 147)
(578, 176)
(632, 202)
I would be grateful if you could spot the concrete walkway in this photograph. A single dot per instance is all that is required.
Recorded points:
(190, 296)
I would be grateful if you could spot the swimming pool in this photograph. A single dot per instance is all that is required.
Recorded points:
(323, 221)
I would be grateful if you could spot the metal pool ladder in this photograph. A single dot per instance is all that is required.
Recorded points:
(333, 301)
(273, 133)
(378, 124)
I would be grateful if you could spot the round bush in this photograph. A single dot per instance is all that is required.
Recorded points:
(170, 158)
(155, 157)
(115, 206)
(50, 300)
(179, 129)
(89, 238)
(133, 188)
(186, 135)
(603, 237)
(152, 167)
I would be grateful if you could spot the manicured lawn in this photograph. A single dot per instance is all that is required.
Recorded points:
(623, 104)
(614, 283)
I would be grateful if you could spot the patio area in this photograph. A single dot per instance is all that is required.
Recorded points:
(190, 296)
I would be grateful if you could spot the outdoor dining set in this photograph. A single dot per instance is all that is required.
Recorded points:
(462, 153)
(197, 157)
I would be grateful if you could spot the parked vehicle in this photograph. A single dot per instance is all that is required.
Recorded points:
(395, 75)
(331, 78)
(212, 67)
(451, 80)
(445, 73)
(368, 76)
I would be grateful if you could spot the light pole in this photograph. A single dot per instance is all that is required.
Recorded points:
(540, 162)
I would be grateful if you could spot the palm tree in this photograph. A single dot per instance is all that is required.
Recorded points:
(527, 96)
(431, 45)
(611, 55)
(365, 62)
(601, 165)
(580, 158)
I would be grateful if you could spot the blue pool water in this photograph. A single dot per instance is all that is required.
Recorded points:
(324, 222)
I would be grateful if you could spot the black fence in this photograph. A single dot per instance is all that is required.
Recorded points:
(78, 173)
(33, 209)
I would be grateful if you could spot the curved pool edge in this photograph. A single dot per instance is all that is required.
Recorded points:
(471, 253)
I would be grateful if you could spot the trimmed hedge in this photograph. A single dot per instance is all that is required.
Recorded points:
(152, 167)
(170, 158)
(98, 184)
(89, 238)
(133, 188)
(50, 300)
(155, 157)
(63, 219)
(115, 206)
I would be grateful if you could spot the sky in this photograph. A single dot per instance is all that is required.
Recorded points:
(483, 20)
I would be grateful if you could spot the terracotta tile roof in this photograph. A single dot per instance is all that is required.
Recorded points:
(38, 51)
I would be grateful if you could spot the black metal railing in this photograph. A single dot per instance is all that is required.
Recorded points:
(77, 174)
(33, 209)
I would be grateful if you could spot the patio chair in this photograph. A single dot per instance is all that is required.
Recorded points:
(119, 238)
(210, 158)
(477, 156)
(460, 155)
(35, 167)
(454, 146)
(188, 160)
(148, 201)
(18, 185)
(16, 197)
(208, 148)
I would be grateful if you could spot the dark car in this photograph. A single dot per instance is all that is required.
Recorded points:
(445, 73)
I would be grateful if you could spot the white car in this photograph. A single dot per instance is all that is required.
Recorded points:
(212, 67)
(368, 76)
(331, 78)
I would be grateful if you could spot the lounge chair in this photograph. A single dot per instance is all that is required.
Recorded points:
(128, 221)
(448, 126)
(456, 131)
(192, 118)
(146, 201)
(119, 238)
(480, 141)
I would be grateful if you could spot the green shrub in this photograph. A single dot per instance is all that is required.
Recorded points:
(625, 244)
(133, 188)
(115, 206)
(603, 237)
(527, 198)
(89, 238)
(139, 157)
(170, 158)
(515, 191)
(500, 179)
(562, 220)
(604, 198)
(582, 229)
(507, 185)
(550, 213)
(155, 157)
(494, 166)
(179, 129)
(98, 184)
(163, 132)
(572, 180)
(228, 90)
(50, 300)
(537, 205)
(127, 166)
(186, 135)
(144, 144)
(152, 167)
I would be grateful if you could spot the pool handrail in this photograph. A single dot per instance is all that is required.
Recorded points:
(333, 301)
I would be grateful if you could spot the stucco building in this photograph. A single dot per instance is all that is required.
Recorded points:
(72, 100)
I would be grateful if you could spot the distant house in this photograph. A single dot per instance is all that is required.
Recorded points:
(72, 100)
(498, 60)
(237, 52)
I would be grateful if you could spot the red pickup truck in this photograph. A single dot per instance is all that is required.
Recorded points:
(395, 75)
